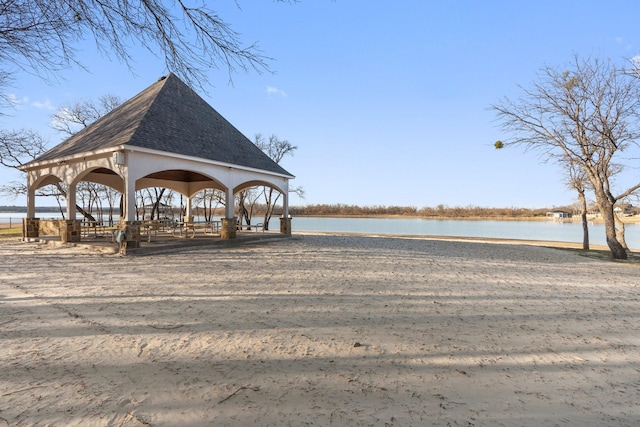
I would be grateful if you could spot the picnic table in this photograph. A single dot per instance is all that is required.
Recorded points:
(183, 229)
(256, 227)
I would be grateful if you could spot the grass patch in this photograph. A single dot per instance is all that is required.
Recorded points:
(11, 232)
(604, 255)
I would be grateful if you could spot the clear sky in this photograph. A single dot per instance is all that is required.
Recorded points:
(388, 102)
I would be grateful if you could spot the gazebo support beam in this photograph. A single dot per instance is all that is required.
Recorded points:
(71, 201)
(129, 197)
(30, 224)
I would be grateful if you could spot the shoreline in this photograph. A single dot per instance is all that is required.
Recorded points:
(625, 219)
(598, 220)
(489, 240)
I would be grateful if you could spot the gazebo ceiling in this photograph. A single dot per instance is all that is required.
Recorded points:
(167, 175)
(179, 175)
(104, 171)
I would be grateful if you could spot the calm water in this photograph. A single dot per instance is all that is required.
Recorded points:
(527, 230)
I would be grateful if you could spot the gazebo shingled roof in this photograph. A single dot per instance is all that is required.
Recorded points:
(168, 116)
(165, 136)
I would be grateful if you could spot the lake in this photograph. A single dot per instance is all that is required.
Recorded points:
(524, 230)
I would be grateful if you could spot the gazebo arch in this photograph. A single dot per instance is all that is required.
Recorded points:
(256, 183)
(166, 136)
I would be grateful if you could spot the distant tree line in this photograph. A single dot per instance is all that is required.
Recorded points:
(23, 209)
(440, 211)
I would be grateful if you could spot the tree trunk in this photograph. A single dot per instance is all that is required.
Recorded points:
(585, 223)
(617, 250)
(271, 204)
(155, 210)
(268, 208)
(244, 212)
(585, 231)
(620, 234)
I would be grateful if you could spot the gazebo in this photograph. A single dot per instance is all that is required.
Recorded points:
(166, 136)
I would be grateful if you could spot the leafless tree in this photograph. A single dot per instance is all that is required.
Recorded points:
(113, 198)
(587, 116)
(577, 180)
(20, 146)
(41, 36)
(276, 149)
(210, 199)
(246, 200)
(72, 118)
(155, 195)
(6, 101)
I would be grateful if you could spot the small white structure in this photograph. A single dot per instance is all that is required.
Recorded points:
(558, 214)
(166, 136)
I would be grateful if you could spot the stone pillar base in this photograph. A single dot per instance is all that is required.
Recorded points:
(285, 226)
(70, 230)
(30, 227)
(131, 231)
(228, 230)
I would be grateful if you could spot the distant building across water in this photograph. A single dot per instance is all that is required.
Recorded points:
(559, 215)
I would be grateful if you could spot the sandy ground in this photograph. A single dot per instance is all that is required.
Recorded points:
(319, 330)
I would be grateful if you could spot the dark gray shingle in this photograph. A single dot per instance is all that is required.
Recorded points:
(168, 116)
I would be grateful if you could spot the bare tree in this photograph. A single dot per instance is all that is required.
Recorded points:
(577, 180)
(167, 201)
(41, 35)
(6, 101)
(276, 149)
(20, 146)
(155, 195)
(246, 200)
(587, 116)
(111, 196)
(72, 118)
(211, 199)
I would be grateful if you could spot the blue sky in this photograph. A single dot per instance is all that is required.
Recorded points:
(388, 102)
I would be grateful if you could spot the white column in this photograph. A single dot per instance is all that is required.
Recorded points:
(71, 201)
(31, 198)
(285, 200)
(229, 203)
(188, 208)
(129, 197)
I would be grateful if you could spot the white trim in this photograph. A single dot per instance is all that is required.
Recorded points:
(133, 149)
(72, 158)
